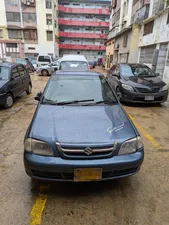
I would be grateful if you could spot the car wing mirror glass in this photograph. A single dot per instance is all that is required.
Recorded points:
(157, 74)
(38, 96)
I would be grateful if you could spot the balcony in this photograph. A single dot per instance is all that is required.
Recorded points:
(141, 14)
(84, 10)
(82, 47)
(83, 23)
(82, 35)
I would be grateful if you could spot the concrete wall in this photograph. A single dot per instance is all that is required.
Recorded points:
(109, 52)
(3, 23)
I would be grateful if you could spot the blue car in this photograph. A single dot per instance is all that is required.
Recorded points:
(80, 132)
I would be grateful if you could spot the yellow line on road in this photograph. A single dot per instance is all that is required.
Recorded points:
(147, 135)
(37, 210)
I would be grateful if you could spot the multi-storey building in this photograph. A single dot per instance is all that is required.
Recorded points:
(139, 33)
(29, 28)
(83, 27)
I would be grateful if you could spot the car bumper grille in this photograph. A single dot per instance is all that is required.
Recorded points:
(145, 90)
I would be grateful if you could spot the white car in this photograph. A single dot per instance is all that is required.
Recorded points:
(48, 69)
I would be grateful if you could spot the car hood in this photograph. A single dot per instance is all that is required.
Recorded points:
(2, 83)
(81, 124)
(145, 81)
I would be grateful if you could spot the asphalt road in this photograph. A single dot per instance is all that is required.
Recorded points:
(139, 200)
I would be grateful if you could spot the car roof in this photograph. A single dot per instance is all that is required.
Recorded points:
(78, 73)
(131, 64)
(74, 58)
(8, 64)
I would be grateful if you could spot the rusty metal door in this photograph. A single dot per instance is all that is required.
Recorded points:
(161, 59)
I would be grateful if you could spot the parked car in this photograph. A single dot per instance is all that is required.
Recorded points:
(43, 60)
(26, 63)
(34, 63)
(137, 83)
(80, 132)
(14, 80)
(91, 65)
(74, 63)
(48, 69)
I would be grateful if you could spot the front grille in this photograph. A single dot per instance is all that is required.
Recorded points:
(70, 176)
(146, 90)
(86, 152)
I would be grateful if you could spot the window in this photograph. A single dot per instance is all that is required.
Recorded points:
(49, 35)
(31, 48)
(4, 72)
(11, 45)
(49, 19)
(13, 17)
(74, 66)
(1, 33)
(148, 28)
(30, 35)
(29, 17)
(128, 71)
(135, 1)
(55, 24)
(48, 4)
(15, 73)
(44, 59)
(21, 70)
(168, 18)
(125, 39)
(14, 34)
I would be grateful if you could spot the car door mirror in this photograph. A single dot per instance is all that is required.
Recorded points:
(38, 96)
(157, 74)
(116, 74)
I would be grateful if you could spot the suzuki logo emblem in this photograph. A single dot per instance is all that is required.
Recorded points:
(88, 151)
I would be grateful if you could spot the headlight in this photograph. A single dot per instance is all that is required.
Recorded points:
(165, 88)
(131, 146)
(38, 147)
(127, 87)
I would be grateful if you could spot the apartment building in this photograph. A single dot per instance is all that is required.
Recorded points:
(139, 32)
(29, 28)
(83, 27)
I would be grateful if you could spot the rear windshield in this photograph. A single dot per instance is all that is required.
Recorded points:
(4, 73)
(21, 61)
(136, 70)
(44, 59)
(69, 88)
(74, 66)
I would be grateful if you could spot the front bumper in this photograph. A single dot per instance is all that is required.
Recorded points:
(59, 169)
(2, 98)
(136, 97)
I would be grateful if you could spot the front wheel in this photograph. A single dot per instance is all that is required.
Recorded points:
(29, 89)
(118, 93)
(9, 100)
(45, 73)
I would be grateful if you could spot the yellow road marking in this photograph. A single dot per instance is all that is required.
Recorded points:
(147, 135)
(37, 210)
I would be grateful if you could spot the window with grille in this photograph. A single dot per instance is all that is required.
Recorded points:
(49, 19)
(29, 17)
(49, 35)
(148, 28)
(30, 35)
(14, 34)
(125, 39)
(48, 4)
(1, 33)
(11, 45)
(13, 17)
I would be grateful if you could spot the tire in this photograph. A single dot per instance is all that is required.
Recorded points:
(29, 89)
(45, 73)
(9, 100)
(118, 93)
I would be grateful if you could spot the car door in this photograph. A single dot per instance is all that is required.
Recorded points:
(113, 76)
(16, 82)
(24, 74)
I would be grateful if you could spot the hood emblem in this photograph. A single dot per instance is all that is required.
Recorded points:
(88, 151)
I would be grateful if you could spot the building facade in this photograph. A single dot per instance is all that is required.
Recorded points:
(83, 27)
(139, 29)
(29, 28)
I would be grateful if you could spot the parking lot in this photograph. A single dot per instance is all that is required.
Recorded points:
(138, 200)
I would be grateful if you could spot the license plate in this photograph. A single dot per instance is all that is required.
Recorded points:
(87, 174)
(149, 98)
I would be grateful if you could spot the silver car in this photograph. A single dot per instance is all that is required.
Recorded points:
(48, 69)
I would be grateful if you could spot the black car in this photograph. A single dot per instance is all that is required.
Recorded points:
(137, 83)
(14, 80)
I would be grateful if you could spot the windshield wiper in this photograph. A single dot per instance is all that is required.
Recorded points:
(67, 102)
(101, 102)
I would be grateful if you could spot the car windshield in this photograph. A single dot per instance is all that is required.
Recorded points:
(88, 89)
(136, 70)
(73, 66)
(44, 59)
(21, 61)
(4, 73)
(33, 61)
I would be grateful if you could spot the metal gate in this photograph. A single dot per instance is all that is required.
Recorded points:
(147, 54)
(161, 59)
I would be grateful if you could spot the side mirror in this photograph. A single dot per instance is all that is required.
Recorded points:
(38, 96)
(157, 74)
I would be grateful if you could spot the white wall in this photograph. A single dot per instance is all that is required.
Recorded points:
(2, 14)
